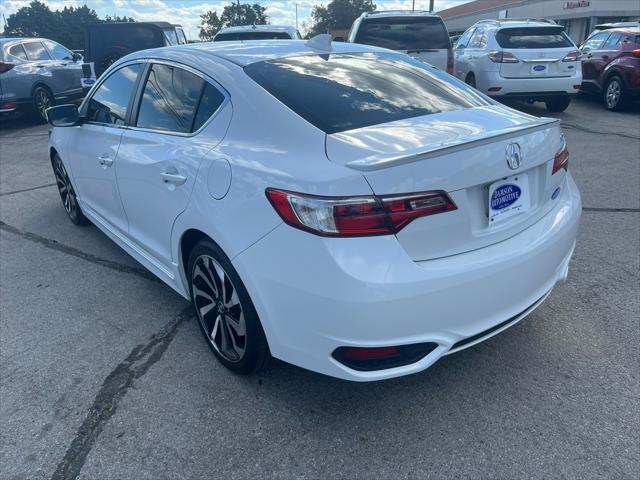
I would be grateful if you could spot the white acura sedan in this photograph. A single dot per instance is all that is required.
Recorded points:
(344, 208)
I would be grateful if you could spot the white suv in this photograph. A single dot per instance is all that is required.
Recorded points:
(530, 60)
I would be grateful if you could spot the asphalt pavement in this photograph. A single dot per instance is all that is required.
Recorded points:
(104, 374)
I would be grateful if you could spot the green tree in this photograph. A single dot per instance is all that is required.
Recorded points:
(66, 26)
(246, 14)
(338, 14)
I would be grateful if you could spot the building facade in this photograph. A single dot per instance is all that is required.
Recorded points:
(578, 16)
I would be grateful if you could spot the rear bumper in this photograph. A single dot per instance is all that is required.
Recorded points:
(316, 294)
(527, 87)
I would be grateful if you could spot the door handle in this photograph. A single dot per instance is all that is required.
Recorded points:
(174, 178)
(105, 161)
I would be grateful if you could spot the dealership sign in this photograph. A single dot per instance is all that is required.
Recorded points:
(577, 4)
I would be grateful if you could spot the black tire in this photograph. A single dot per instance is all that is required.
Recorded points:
(470, 80)
(559, 104)
(68, 193)
(220, 316)
(614, 94)
(41, 99)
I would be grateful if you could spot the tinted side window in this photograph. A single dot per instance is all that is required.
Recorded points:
(110, 101)
(36, 51)
(478, 40)
(210, 102)
(595, 41)
(613, 41)
(170, 99)
(58, 52)
(404, 33)
(18, 52)
(463, 41)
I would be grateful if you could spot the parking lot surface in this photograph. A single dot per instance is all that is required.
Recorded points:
(104, 374)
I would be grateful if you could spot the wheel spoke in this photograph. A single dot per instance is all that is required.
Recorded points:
(198, 272)
(214, 330)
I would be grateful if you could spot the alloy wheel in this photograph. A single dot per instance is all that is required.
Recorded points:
(614, 91)
(43, 102)
(218, 307)
(65, 189)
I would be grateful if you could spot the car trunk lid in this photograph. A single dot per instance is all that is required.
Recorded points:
(463, 152)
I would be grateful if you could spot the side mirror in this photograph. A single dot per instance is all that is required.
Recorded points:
(63, 116)
(76, 57)
(338, 39)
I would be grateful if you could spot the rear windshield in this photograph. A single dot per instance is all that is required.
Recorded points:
(533, 37)
(225, 37)
(404, 33)
(347, 91)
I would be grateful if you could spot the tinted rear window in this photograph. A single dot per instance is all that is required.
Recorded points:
(533, 37)
(404, 33)
(226, 37)
(346, 91)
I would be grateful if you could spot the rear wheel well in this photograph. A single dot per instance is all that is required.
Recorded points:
(613, 73)
(190, 239)
(52, 154)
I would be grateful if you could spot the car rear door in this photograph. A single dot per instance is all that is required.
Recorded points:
(93, 151)
(461, 56)
(161, 152)
(540, 52)
(423, 37)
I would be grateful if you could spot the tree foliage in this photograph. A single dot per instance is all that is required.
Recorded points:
(66, 26)
(247, 14)
(338, 14)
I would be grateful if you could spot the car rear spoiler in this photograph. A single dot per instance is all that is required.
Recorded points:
(379, 162)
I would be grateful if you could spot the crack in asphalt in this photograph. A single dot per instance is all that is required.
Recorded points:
(54, 245)
(27, 189)
(587, 130)
(113, 389)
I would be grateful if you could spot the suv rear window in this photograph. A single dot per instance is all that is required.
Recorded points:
(347, 91)
(404, 33)
(533, 37)
(225, 37)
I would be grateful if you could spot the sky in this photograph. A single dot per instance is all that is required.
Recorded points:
(187, 12)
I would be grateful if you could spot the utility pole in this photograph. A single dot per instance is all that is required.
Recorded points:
(431, 6)
(238, 16)
(296, 16)
(413, 5)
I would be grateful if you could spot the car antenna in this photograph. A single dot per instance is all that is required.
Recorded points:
(320, 42)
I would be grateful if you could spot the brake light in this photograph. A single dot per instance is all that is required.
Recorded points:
(450, 62)
(6, 66)
(572, 56)
(636, 52)
(503, 57)
(561, 159)
(356, 216)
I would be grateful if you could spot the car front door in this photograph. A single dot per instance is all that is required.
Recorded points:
(593, 64)
(94, 148)
(461, 60)
(161, 152)
(65, 71)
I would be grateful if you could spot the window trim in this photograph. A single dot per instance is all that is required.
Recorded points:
(139, 91)
(17, 44)
(85, 103)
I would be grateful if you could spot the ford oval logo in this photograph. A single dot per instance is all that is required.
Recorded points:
(539, 68)
(504, 196)
(514, 156)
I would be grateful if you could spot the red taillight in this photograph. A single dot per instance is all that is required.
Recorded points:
(502, 57)
(450, 62)
(7, 106)
(572, 56)
(636, 52)
(561, 159)
(6, 66)
(356, 216)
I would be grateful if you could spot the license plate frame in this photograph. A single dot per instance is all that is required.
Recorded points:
(508, 197)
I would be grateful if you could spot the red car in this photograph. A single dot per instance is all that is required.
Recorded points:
(611, 66)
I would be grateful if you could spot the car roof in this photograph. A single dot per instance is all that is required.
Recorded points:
(21, 39)
(259, 28)
(518, 23)
(243, 53)
(397, 13)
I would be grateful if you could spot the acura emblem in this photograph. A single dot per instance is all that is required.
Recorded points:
(514, 156)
